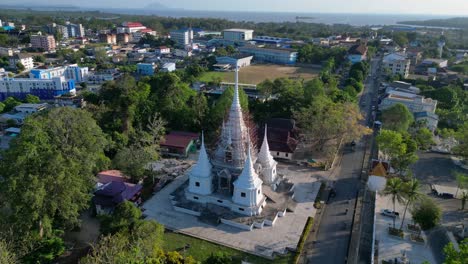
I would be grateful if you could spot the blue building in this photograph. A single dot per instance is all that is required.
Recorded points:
(44, 89)
(73, 71)
(145, 69)
(271, 55)
(271, 40)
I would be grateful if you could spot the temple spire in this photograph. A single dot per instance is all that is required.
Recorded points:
(248, 179)
(203, 166)
(264, 156)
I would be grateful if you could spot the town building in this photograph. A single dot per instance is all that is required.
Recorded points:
(109, 38)
(146, 68)
(123, 38)
(57, 29)
(241, 60)
(73, 72)
(415, 103)
(45, 89)
(182, 37)
(183, 53)
(357, 53)
(430, 119)
(25, 59)
(112, 189)
(130, 27)
(397, 64)
(163, 50)
(46, 42)
(236, 34)
(6, 51)
(179, 144)
(282, 138)
(168, 67)
(438, 63)
(271, 55)
(273, 41)
(75, 30)
(30, 108)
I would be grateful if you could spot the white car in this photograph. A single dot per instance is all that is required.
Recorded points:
(390, 213)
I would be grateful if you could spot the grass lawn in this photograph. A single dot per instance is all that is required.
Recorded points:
(201, 249)
(256, 74)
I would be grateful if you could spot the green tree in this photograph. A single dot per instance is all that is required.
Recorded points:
(20, 67)
(463, 199)
(123, 219)
(394, 188)
(218, 258)
(397, 118)
(49, 172)
(411, 193)
(424, 138)
(39, 58)
(10, 103)
(32, 99)
(446, 97)
(390, 143)
(453, 256)
(2, 107)
(6, 254)
(427, 213)
(462, 136)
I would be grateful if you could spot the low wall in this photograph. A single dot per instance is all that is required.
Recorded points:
(186, 211)
(237, 225)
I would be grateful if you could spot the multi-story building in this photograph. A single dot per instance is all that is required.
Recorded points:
(6, 51)
(108, 38)
(54, 28)
(182, 37)
(26, 60)
(75, 30)
(45, 89)
(70, 72)
(415, 103)
(146, 69)
(397, 64)
(236, 34)
(123, 38)
(46, 42)
(271, 55)
(130, 27)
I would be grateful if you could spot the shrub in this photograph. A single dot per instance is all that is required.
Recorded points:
(303, 239)
(427, 214)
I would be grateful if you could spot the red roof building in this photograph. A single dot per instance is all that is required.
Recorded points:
(178, 143)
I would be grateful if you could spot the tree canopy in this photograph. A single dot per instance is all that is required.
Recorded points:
(397, 118)
(49, 172)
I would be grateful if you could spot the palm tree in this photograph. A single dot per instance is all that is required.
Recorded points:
(464, 198)
(411, 193)
(394, 188)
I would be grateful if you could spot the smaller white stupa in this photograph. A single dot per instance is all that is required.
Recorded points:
(248, 188)
(201, 176)
(268, 164)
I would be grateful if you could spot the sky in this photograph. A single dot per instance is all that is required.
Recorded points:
(435, 7)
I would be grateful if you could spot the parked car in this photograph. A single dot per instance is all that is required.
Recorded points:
(390, 213)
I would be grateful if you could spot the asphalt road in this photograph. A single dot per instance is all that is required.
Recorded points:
(333, 235)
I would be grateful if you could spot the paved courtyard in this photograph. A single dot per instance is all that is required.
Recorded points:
(391, 247)
(264, 242)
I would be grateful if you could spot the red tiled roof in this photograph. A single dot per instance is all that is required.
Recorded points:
(111, 176)
(358, 49)
(146, 30)
(134, 24)
(163, 47)
(177, 141)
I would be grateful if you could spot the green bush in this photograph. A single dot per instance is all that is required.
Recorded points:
(303, 239)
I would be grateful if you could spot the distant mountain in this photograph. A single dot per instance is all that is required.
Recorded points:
(456, 22)
(34, 6)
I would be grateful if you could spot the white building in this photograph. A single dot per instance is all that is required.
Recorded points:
(26, 60)
(70, 72)
(182, 37)
(415, 103)
(44, 89)
(439, 63)
(168, 67)
(30, 108)
(236, 34)
(396, 64)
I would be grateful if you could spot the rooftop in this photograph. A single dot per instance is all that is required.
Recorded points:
(360, 49)
(238, 30)
(177, 140)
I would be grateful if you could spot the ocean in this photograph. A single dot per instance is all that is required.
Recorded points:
(325, 18)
